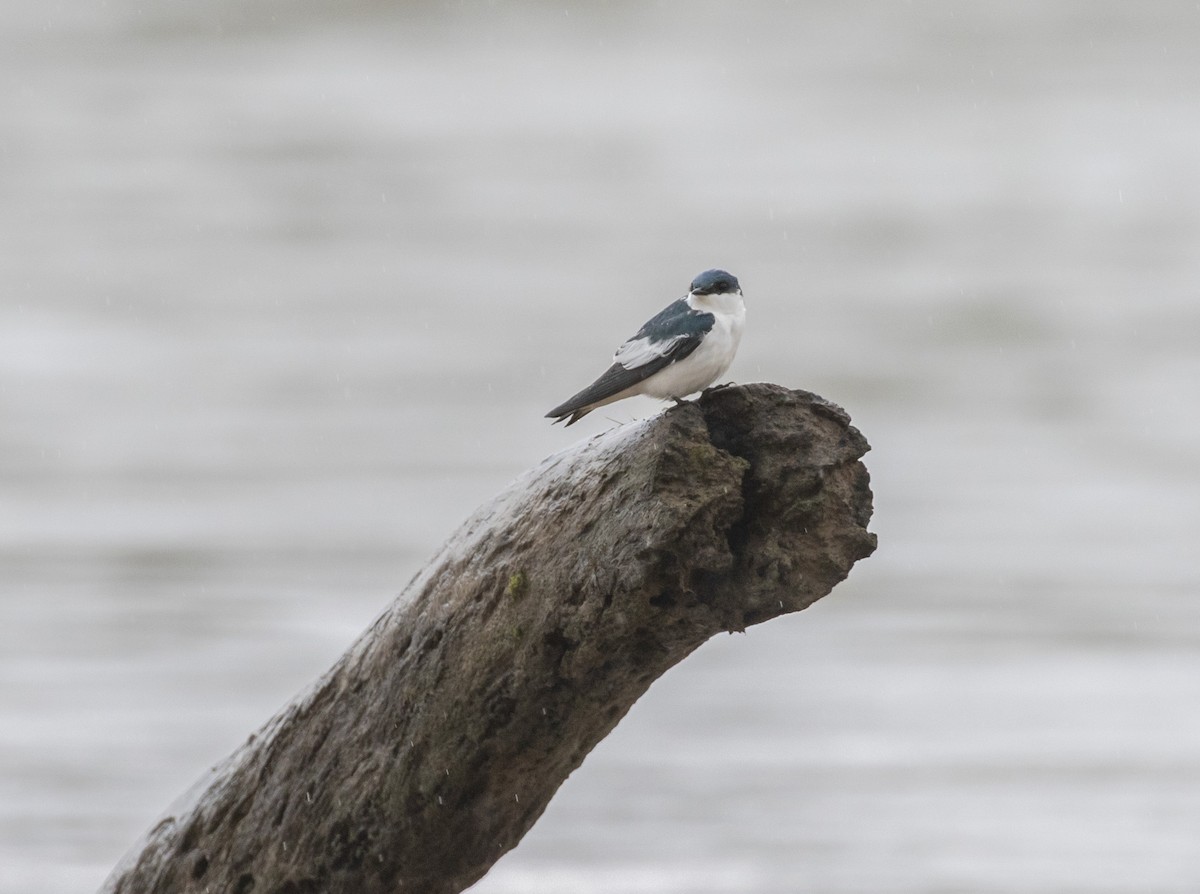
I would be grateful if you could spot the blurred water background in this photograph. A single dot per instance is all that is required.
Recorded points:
(285, 289)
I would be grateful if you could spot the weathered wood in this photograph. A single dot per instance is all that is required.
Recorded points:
(437, 740)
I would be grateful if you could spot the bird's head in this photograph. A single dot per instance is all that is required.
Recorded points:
(715, 282)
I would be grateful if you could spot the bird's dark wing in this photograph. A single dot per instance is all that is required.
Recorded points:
(666, 338)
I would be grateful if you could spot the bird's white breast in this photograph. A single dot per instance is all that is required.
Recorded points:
(710, 360)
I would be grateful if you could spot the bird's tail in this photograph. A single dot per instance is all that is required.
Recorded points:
(568, 412)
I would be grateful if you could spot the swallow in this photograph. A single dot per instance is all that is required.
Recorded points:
(681, 350)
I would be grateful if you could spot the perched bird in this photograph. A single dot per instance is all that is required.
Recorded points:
(683, 349)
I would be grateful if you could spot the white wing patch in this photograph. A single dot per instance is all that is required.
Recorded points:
(640, 351)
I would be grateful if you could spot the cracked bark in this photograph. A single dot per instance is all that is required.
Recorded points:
(438, 739)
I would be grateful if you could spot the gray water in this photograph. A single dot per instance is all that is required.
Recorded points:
(284, 294)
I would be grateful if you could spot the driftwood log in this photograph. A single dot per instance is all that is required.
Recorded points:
(438, 739)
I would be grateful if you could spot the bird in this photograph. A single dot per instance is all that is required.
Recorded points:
(683, 349)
